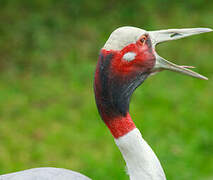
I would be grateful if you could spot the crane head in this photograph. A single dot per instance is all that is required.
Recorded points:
(137, 47)
(127, 59)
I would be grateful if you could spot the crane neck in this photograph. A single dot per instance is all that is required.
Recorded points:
(141, 161)
(119, 125)
(113, 91)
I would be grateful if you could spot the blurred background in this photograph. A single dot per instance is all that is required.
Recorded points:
(48, 116)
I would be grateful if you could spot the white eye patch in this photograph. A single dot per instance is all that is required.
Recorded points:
(129, 56)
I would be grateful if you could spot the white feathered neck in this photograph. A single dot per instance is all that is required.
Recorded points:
(141, 161)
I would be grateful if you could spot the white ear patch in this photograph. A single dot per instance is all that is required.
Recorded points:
(129, 56)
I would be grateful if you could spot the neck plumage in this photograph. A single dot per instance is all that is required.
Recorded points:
(141, 161)
(112, 97)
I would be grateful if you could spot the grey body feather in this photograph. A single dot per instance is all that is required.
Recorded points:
(45, 173)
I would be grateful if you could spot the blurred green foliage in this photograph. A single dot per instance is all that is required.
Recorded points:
(48, 117)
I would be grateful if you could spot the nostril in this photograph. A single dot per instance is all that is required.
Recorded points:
(175, 34)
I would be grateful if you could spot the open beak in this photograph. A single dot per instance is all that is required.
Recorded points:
(173, 34)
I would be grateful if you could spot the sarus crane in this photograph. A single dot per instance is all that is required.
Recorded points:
(125, 61)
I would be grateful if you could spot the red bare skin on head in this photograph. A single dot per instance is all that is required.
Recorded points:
(144, 59)
(115, 80)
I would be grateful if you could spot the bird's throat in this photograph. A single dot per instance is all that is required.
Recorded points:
(113, 92)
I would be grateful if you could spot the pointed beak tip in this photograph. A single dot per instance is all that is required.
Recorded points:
(205, 78)
(202, 77)
(207, 30)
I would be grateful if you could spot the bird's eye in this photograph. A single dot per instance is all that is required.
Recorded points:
(143, 39)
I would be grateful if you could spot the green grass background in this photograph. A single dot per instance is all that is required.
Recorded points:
(48, 117)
